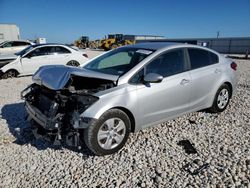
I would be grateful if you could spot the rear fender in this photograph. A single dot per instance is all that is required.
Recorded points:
(215, 89)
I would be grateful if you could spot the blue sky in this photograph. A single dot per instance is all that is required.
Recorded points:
(66, 20)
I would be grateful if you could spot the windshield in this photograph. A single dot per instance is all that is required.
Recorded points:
(119, 61)
(24, 51)
(1, 44)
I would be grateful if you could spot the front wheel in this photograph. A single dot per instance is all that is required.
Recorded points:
(10, 74)
(221, 99)
(109, 133)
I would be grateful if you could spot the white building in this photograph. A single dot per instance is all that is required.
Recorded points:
(9, 32)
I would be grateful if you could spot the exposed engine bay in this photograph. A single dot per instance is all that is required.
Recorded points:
(56, 113)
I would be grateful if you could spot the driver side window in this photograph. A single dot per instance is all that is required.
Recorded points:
(167, 64)
(7, 45)
(40, 51)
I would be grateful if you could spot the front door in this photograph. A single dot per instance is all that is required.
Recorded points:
(170, 98)
(38, 57)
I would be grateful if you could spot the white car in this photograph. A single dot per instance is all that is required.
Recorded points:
(11, 47)
(29, 60)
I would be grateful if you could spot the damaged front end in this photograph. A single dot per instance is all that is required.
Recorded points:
(56, 114)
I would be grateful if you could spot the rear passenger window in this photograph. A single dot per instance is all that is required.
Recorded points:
(23, 44)
(14, 44)
(201, 58)
(213, 58)
(170, 63)
(61, 50)
(17, 43)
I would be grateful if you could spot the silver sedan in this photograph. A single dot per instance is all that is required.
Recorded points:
(128, 89)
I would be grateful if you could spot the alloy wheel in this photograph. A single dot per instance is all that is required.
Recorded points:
(111, 133)
(73, 63)
(223, 98)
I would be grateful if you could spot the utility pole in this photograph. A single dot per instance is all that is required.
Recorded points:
(218, 34)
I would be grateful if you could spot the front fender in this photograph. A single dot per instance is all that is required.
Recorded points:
(126, 99)
(15, 64)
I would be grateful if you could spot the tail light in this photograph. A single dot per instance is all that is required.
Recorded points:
(85, 55)
(234, 66)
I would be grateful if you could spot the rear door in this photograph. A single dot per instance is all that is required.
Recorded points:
(60, 55)
(205, 73)
(35, 59)
(170, 98)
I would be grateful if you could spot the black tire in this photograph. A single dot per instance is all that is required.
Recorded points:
(91, 133)
(10, 74)
(216, 108)
(73, 63)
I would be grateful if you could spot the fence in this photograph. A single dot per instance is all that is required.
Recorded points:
(236, 45)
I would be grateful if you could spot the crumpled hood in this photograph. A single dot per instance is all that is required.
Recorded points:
(55, 77)
(6, 59)
(8, 56)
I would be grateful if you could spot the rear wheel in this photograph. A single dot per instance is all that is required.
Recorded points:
(10, 74)
(109, 133)
(73, 63)
(221, 99)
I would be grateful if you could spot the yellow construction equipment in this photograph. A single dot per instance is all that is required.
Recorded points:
(114, 41)
(94, 44)
(84, 42)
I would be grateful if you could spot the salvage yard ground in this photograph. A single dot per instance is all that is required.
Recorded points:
(151, 157)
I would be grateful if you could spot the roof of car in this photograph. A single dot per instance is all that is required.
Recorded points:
(47, 44)
(17, 41)
(154, 45)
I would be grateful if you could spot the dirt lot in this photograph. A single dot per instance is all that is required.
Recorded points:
(151, 158)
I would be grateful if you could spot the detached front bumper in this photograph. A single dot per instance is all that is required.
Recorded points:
(51, 121)
(46, 122)
(55, 122)
(54, 118)
(52, 129)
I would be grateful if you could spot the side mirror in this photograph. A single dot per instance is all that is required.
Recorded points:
(153, 78)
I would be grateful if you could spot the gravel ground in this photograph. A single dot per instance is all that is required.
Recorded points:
(151, 157)
(93, 53)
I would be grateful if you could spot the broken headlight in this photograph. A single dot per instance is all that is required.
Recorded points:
(83, 102)
(26, 91)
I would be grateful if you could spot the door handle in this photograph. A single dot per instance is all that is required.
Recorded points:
(217, 71)
(184, 81)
